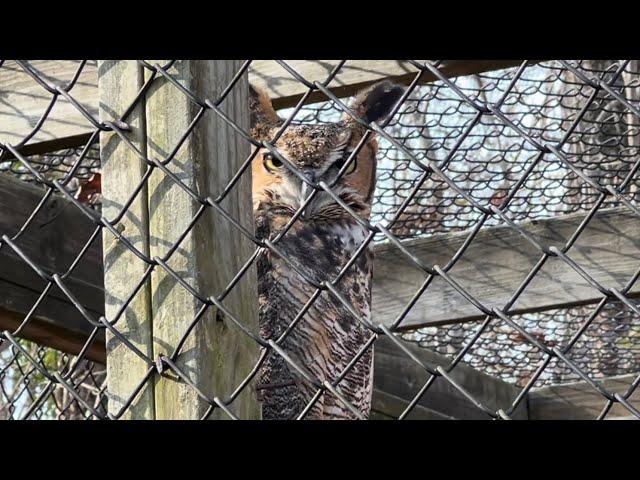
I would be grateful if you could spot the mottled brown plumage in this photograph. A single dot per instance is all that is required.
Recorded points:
(319, 244)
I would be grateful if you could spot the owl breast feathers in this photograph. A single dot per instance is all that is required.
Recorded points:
(313, 327)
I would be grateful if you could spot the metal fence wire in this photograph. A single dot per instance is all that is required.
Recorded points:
(459, 154)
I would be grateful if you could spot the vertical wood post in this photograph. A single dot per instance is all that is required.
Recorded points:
(216, 355)
(122, 171)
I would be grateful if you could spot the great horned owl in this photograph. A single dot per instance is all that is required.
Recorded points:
(320, 243)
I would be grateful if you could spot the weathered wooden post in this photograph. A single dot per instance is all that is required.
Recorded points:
(216, 356)
(122, 170)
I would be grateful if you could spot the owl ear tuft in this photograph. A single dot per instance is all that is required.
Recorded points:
(377, 101)
(263, 115)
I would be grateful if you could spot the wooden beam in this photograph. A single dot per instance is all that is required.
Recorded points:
(387, 406)
(23, 100)
(496, 263)
(579, 400)
(285, 90)
(398, 375)
(492, 268)
(608, 242)
(49, 334)
(54, 238)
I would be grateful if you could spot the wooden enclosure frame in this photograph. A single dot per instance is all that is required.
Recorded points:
(395, 282)
(69, 129)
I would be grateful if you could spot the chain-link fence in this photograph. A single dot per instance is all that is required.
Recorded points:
(470, 154)
(605, 144)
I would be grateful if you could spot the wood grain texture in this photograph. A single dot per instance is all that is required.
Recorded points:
(53, 240)
(580, 401)
(496, 263)
(492, 268)
(122, 171)
(387, 406)
(23, 101)
(49, 334)
(398, 375)
(216, 355)
(285, 90)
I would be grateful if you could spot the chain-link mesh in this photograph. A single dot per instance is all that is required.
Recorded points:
(28, 391)
(455, 155)
(544, 102)
(546, 98)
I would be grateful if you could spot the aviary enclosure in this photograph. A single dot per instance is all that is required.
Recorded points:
(505, 228)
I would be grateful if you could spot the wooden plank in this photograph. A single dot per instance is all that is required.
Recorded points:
(53, 240)
(122, 171)
(496, 263)
(49, 334)
(579, 401)
(216, 355)
(492, 268)
(23, 100)
(398, 375)
(386, 406)
(285, 90)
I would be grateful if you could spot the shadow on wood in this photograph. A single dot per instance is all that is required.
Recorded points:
(53, 240)
(496, 263)
(23, 101)
(397, 375)
(580, 401)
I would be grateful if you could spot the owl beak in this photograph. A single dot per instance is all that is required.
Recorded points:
(305, 191)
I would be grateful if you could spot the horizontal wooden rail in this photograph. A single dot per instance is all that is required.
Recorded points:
(580, 401)
(397, 379)
(53, 239)
(286, 91)
(491, 269)
(496, 263)
(46, 333)
(23, 101)
(387, 406)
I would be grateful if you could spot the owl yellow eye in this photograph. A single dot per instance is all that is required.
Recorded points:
(350, 169)
(271, 163)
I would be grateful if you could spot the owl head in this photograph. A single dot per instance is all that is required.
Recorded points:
(318, 152)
